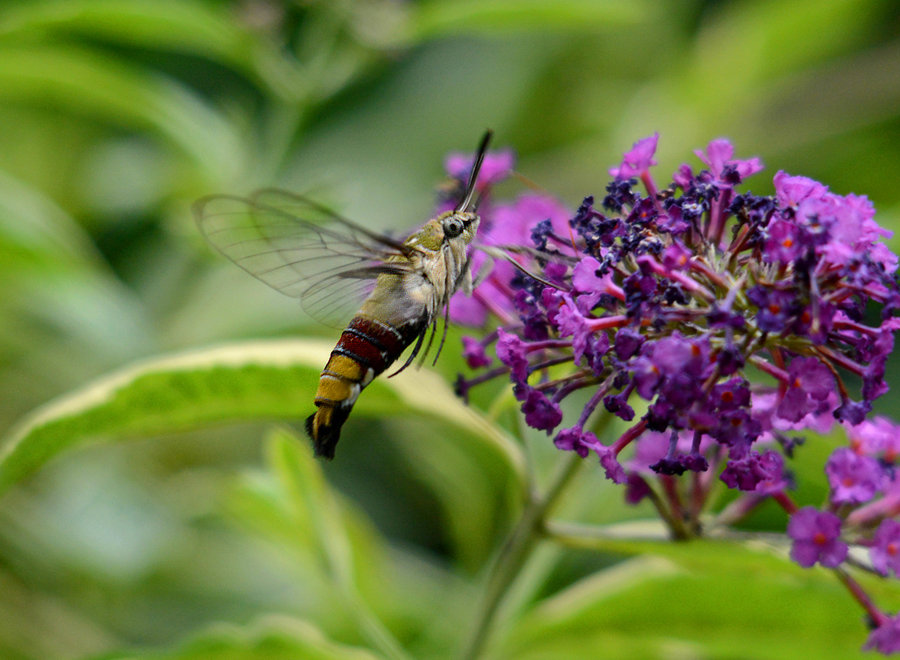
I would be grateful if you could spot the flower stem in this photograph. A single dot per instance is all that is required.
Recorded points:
(784, 500)
(878, 617)
(515, 552)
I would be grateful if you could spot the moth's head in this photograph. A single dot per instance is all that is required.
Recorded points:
(447, 229)
(459, 226)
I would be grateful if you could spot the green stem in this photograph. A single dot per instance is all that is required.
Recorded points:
(515, 552)
(373, 629)
(676, 527)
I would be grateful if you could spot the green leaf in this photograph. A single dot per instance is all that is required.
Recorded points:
(85, 81)
(34, 230)
(440, 18)
(293, 507)
(239, 382)
(309, 495)
(470, 512)
(175, 25)
(727, 596)
(651, 537)
(344, 550)
(353, 579)
(269, 638)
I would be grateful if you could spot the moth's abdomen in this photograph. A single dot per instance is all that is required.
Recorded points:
(366, 348)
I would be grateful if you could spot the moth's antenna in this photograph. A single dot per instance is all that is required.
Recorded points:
(477, 201)
(476, 168)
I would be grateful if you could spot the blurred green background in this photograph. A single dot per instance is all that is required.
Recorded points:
(116, 114)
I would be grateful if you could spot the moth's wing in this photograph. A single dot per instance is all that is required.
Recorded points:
(300, 248)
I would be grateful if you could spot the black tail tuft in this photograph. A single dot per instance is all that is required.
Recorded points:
(324, 437)
(324, 446)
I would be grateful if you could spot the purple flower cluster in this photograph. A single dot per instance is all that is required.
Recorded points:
(659, 304)
(671, 295)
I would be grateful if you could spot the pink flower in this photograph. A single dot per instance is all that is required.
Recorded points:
(638, 160)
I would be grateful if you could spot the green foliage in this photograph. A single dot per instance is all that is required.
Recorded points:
(208, 533)
(268, 381)
(360, 592)
(271, 638)
(700, 613)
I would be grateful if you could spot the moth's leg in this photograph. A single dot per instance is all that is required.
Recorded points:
(483, 272)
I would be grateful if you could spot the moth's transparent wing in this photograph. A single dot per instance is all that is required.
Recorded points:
(300, 248)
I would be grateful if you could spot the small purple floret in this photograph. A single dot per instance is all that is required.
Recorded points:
(540, 412)
(885, 549)
(854, 479)
(816, 535)
(886, 637)
(576, 439)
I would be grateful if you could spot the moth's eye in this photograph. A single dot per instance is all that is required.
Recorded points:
(453, 227)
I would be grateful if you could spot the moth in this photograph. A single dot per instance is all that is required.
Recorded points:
(304, 250)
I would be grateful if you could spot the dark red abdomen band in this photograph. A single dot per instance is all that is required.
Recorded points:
(366, 348)
(373, 344)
